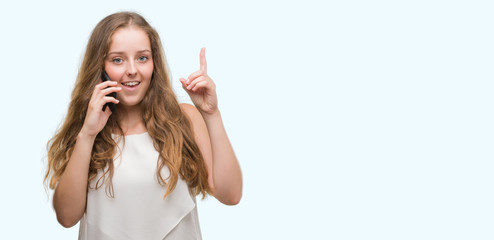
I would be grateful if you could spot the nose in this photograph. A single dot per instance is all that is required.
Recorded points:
(131, 69)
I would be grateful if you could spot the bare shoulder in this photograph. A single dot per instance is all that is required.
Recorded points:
(191, 112)
(187, 107)
(198, 125)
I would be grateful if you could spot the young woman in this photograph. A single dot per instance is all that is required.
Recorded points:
(134, 173)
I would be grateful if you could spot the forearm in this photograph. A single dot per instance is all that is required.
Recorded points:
(226, 171)
(69, 199)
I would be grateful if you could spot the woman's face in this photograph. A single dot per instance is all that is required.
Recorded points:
(129, 62)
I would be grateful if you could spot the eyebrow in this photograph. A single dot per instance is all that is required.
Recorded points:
(140, 51)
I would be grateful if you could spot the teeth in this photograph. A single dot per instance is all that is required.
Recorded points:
(130, 84)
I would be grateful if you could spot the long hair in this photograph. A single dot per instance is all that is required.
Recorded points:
(165, 121)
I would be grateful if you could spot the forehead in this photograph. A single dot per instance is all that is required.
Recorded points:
(128, 39)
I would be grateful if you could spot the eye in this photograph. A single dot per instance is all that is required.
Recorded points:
(117, 60)
(142, 59)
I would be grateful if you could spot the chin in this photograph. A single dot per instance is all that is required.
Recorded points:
(124, 103)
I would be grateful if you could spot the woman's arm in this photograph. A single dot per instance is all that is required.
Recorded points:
(225, 175)
(69, 199)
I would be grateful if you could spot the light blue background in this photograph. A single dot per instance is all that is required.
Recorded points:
(351, 119)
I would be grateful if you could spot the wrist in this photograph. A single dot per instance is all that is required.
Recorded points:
(84, 135)
(210, 114)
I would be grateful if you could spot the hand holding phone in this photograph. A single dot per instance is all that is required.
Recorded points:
(105, 77)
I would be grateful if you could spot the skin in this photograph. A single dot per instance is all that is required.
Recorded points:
(224, 171)
(130, 59)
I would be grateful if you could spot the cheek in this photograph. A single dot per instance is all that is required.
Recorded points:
(115, 73)
(148, 71)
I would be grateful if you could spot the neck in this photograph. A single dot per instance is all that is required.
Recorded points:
(130, 119)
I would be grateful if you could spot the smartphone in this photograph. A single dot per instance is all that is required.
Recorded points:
(105, 77)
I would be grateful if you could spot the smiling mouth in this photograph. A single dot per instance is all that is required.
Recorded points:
(131, 84)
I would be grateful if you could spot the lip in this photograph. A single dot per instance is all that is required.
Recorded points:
(130, 88)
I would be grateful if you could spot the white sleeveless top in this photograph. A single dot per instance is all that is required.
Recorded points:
(138, 210)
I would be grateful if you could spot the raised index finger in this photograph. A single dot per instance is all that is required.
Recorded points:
(202, 57)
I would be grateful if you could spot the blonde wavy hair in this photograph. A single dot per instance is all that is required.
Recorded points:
(165, 121)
